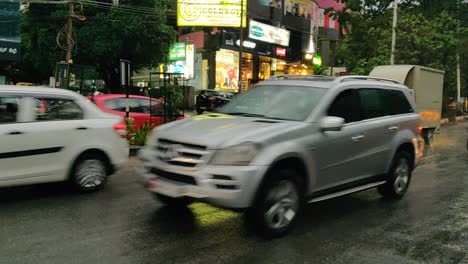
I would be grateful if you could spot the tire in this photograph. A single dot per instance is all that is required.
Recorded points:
(199, 111)
(399, 177)
(277, 205)
(173, 202)
(90, 172)
(429, 136)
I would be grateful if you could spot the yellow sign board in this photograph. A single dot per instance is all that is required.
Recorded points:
(211, 13)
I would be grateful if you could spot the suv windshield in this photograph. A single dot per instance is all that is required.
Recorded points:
(276, 102)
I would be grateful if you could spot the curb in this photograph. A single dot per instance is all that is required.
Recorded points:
(446, 121)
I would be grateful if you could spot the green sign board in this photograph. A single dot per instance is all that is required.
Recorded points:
(177, 52)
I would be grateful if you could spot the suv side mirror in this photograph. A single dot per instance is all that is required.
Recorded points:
(331, 123)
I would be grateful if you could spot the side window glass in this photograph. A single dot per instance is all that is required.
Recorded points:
(346, 105)
(8, 109)
(116, 104)
(144, 106)
(53, 109)
(396, 103)
(157, 108)
(371, 102)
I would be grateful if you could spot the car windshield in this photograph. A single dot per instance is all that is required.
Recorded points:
(276, 102)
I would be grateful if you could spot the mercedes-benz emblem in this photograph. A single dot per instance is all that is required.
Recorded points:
(172, 152)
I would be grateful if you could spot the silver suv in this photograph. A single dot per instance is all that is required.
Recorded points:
(289, 140)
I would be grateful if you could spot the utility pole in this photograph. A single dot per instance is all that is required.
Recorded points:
(241, 45)
(395, 18)
(71, 15)
(458, 57)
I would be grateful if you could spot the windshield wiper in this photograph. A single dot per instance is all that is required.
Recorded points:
(245, 114)
(258, 115)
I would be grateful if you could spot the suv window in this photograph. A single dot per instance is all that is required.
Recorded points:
(53, 109)
(8, 109)
(396, 103)
(346, 105)
(372, 103)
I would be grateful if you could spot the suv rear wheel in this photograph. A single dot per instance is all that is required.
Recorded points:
(275, 210)
(399, 177)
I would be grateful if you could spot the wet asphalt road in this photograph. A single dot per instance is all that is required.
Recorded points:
(123, 224)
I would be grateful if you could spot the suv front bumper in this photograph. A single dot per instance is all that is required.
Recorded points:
(223, 186)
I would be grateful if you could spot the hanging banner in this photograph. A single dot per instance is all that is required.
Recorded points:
(189, 61)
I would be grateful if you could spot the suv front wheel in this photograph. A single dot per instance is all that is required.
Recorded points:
(399, 177)
(278, 203)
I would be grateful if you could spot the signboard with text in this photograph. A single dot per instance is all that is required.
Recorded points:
(177, 52)
(10, 33)
(230, 40)
(269, 33)
(211, 13)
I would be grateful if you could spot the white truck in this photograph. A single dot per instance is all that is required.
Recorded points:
(427, 85)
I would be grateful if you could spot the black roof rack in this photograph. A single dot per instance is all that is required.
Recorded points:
(359, 77)
(302, 77)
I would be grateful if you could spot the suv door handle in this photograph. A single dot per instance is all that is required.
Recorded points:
(15, 133)
(357, 138)
(393, 128)
(81, 128)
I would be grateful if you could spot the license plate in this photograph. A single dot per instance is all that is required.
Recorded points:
(165, 188)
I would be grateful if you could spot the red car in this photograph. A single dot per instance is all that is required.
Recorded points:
(141, 110)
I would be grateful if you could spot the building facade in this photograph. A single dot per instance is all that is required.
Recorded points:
(277, 36)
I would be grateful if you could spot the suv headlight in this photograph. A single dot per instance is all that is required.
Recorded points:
(238, 155)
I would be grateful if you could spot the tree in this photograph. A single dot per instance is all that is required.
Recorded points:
(108, 34)
(424, 36)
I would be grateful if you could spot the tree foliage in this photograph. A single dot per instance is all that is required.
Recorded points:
(106, 36)
(426, 35)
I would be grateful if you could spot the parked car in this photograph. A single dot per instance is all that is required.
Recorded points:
(142, 108)
(209, 100)
(285, 142)
(51, 135)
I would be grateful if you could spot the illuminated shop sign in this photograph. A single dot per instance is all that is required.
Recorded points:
(269, 33)
(280, 52)
(212, 13)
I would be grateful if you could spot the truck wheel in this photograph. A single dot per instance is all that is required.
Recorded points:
(173, 202)
(428, 136)
(278, 203)
(399, 177)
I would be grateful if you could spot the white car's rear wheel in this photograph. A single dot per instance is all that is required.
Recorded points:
(90, 172)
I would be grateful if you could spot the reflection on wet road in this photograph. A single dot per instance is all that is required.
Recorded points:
(124, 224)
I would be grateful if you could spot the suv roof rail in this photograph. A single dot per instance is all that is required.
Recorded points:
(363, 77)
(302, 77)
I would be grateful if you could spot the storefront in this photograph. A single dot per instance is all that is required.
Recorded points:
(260, 61)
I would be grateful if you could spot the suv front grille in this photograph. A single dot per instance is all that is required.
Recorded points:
(174, 176)
(180, 154)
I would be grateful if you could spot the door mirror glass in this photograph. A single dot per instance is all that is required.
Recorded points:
(332, 123)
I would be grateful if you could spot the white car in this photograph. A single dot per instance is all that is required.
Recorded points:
(51, 135)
